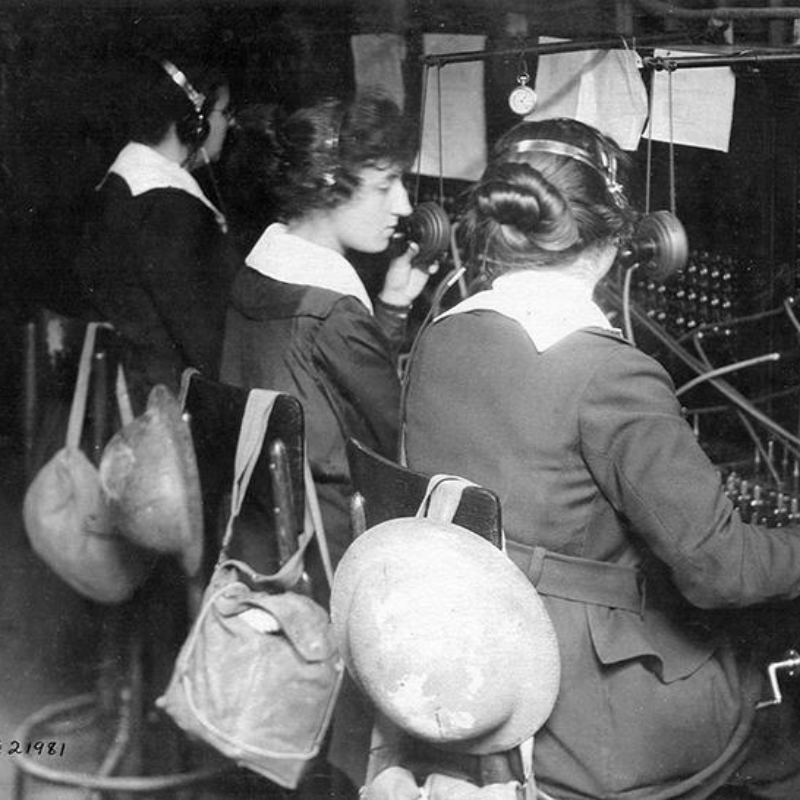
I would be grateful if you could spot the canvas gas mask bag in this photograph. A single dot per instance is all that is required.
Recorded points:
(259, 674)
(66, 512)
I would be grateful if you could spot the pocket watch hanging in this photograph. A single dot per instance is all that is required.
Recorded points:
(522, 99)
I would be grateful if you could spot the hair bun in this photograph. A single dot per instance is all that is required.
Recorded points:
(528, 206)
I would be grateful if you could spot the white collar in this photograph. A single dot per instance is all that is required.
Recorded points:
(286, 257)
(143, 169)
(547, 305)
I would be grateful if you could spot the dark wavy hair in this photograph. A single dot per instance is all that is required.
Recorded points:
(156, 101)
(551, 190)
(316, 153)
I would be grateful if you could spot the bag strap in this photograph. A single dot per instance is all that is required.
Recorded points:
(442, 497)
(123, 397)
(313, 520)
(186, 381)
(77, 411)
(255, 422)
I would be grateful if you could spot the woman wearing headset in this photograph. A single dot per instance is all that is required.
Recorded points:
(609, 504)
(156, 261)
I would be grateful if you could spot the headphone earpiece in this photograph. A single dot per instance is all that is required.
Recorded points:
(193, 127)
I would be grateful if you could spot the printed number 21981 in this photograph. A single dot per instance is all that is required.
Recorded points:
(16, 747)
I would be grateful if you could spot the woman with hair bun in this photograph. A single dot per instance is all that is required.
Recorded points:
(609, 504)
(300, 319)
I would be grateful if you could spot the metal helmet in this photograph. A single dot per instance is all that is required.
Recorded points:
(445, 635)
(149, 474)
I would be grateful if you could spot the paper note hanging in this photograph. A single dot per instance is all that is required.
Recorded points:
(602, 88)
(692, 106)
(460, 150)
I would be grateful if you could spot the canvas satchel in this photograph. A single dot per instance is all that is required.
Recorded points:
(66, 513)
(259, 674)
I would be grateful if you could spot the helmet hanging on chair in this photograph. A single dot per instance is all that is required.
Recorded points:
(445, 635)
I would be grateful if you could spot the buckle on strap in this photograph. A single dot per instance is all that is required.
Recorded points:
(580, 579)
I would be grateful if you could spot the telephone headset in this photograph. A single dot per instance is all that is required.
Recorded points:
(192, 128)
(658, 244)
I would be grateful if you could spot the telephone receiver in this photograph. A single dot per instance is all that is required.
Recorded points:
(658, 246)
(428, 226)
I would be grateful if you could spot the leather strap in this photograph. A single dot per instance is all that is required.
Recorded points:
(580, 579)
(123, 397)
(80, 395)
(186, 382)
(313, 519)
(442, 497)
(255, 422)
(78, 409)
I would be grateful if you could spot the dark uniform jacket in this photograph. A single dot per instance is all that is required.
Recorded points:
(158, 267)
(327, 350)
(613, 509)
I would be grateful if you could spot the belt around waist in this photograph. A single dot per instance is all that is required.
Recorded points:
(580, 579)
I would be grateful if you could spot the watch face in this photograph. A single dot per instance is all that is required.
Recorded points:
(522, 100)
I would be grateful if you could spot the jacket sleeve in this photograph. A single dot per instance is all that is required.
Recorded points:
(646, 460)
(176, 241)
(394, 323)
(356, 358)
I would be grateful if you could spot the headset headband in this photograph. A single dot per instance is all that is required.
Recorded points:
(607, 170)
(196, 98)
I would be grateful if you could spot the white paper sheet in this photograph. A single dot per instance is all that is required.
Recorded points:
(461, 151)
(700, 113)
(602, 88)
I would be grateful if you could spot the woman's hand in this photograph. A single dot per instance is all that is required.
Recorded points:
(404, 282)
